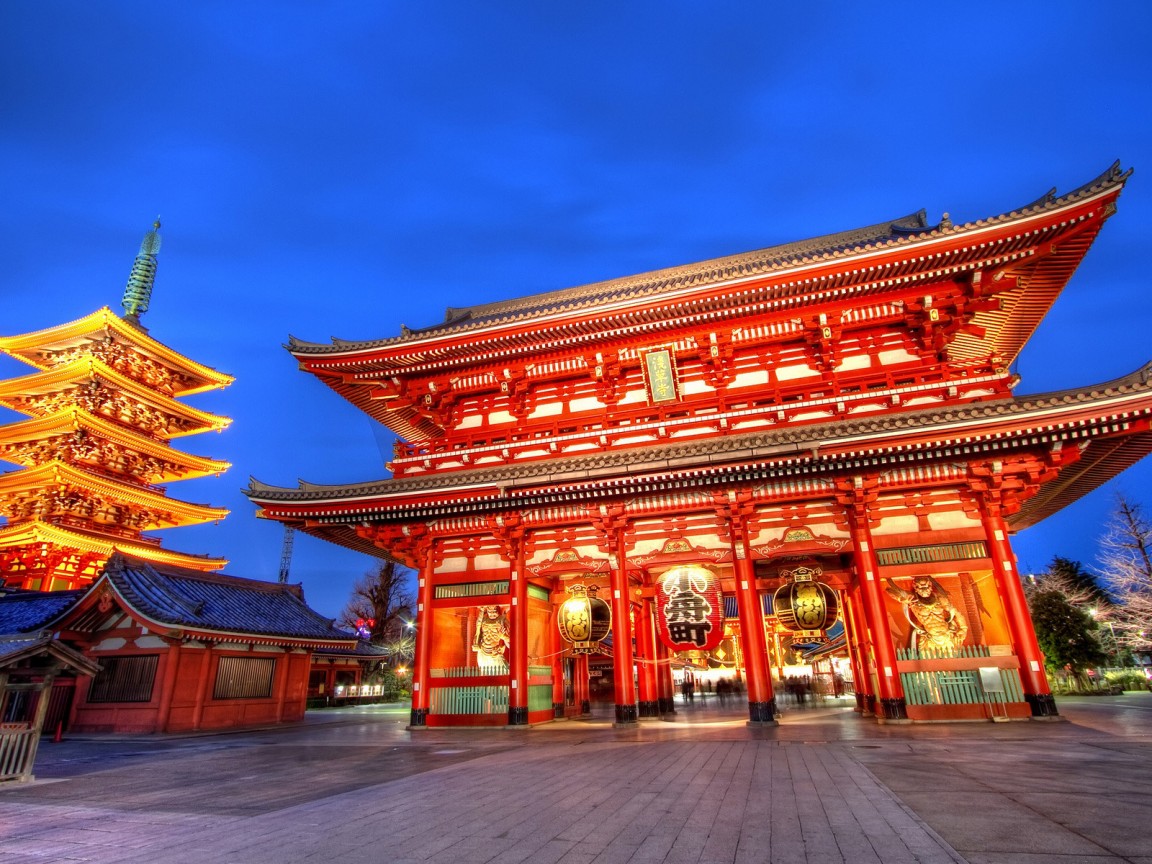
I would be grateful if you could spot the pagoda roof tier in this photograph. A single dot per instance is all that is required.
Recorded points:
(1108, 424)
(44, 348)
(167, 598)
(36, 533)
(55, 474)
(1029, 254)
(174, 464)
(22, 395)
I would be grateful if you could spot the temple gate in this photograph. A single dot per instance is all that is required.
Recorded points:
(821, 438)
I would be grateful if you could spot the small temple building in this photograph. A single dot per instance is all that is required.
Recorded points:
(95, 454)
(742, 459)
(175, 649)
(101, 628)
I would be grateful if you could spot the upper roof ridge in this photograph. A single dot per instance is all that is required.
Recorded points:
(890, 233)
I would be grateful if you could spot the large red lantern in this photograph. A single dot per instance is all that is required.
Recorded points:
(690, 608)
(584, 619)
(805, 605)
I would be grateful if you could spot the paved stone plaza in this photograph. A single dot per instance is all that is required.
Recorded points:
(824, 786)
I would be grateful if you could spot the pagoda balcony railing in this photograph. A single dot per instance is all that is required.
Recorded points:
(947, 382)
(104, 530)
(118, 477)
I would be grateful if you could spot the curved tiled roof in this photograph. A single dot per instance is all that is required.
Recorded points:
(104, 320)
(30, 611)
(884, 235)
(218, 603)
(796, 439)
(1080, 415)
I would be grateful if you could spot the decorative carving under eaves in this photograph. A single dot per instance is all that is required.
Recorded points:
(79, 448)
(935, 319)
(124, 359)
(716, 354)
(608, 373)
(438, 403)
(514, 384)
(101, 401)
(822, 333)
(80, 508)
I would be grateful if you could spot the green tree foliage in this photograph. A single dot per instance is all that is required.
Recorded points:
(1078, 584)
(1066, 633)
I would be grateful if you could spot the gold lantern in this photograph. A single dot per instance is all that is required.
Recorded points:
(584, 619)
(805, 605)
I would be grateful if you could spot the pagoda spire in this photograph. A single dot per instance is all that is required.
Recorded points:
(138, 291)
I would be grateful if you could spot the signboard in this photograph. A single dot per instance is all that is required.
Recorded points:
(660, 375)
(990, 679)
(690, 609)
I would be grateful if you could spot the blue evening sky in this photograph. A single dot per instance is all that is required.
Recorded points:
(340, 168)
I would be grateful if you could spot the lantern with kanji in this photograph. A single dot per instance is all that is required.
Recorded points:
(584, 619)
(805, 605)
(690, 608)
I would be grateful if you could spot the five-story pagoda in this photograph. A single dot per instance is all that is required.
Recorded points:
(102, 408)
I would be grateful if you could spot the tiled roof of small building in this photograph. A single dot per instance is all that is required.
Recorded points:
(31, 611)
(362, 649)
(15, 649)
(184, 598)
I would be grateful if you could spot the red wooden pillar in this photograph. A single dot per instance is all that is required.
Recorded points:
(761, 698)
(421, 675)
(665, 687)
(168, 686)
(891, 704)
(757, 672)
(580, 686)
(202, 687)
(556, 649)
(1037, 692)
(858, 653)
(623, 663)
(649, 705)
(518, 667)
(283, 670)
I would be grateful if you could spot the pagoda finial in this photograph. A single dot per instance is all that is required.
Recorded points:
(139, 289)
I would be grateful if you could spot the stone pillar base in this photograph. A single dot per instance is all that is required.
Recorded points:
(419, 719)
(892, 709)
(1042, 705)
(762, 713)
(625, 715)
(518, 716)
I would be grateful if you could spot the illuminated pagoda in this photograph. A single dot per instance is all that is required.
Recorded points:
(95, 453)
(820, 437)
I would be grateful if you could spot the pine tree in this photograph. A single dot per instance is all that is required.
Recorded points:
(1066, 633)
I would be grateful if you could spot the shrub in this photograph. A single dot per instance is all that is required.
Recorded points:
(1127, 679)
